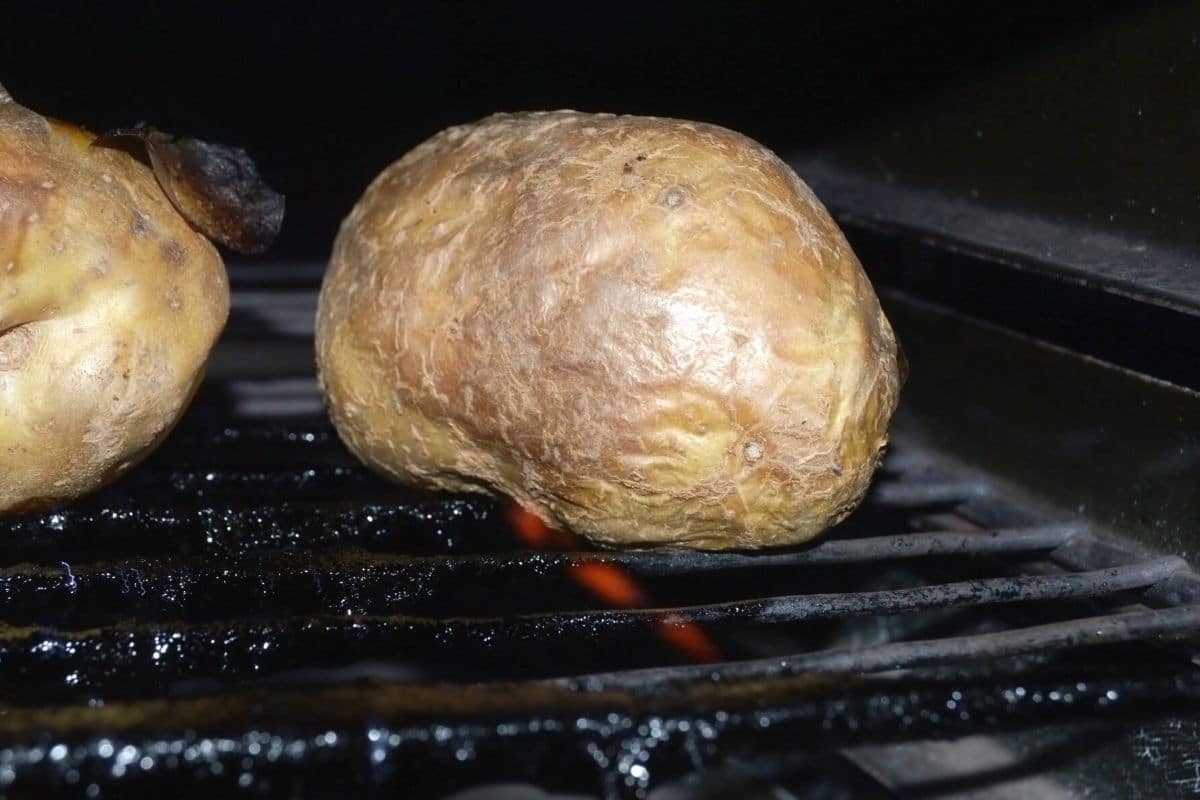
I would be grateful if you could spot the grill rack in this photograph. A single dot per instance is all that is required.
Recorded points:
(143, 680)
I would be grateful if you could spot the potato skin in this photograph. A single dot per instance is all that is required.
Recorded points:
(109, 305)
(648, 331)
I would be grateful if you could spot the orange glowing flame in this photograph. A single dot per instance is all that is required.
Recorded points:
(537, 534)
(688, 638)
(610, 583)
(614, 585)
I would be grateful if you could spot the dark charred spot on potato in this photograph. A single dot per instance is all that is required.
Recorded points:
(641, 157)
(16, 345)
(216, 188)
(628, 168)
(673, 197)
(173, 253)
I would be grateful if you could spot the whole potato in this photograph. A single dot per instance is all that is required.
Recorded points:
(109, 304)
(648, 331)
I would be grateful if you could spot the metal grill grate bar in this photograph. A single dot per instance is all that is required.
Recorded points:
(282, 733)
(143, 654)
(421, 524)
(849, 551)
(425, 525)
(909, 494)
(1077, 633)
(382, 583)
(369, 586)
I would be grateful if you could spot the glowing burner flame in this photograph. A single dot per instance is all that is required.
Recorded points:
(537, 534)
(614, 585)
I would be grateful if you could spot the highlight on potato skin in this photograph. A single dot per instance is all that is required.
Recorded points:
(647, 331)
(110, 302)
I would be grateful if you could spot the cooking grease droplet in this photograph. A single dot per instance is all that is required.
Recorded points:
(72, 584)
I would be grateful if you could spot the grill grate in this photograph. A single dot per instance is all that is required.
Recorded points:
(252, 609)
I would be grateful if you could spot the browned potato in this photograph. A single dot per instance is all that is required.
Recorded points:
(109, 305)
(648, 331)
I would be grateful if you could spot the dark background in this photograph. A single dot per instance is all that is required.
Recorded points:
(1079, 109)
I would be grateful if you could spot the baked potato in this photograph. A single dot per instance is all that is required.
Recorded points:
(647, 331)
(110, 298)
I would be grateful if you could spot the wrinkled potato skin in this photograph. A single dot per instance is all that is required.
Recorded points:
(109, 305)
(647, 331)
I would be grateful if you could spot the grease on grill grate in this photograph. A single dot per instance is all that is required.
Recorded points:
(252, 609)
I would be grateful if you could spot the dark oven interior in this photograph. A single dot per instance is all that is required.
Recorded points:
(1012, 612)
